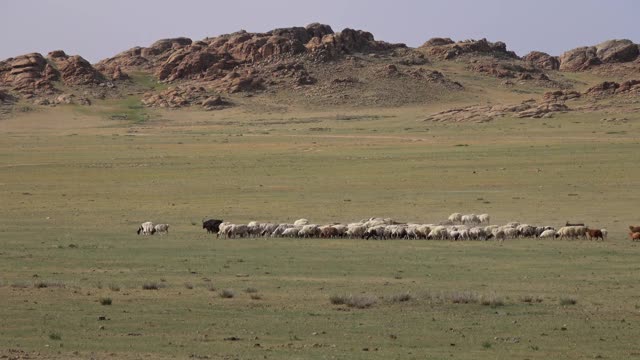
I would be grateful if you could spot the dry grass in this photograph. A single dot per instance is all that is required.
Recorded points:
(153, 285)
(401, 297)
(360, 301)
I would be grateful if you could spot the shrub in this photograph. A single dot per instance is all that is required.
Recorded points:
(491, 300)
(568, 301)
(40, 284)
(486, 345)
(463, 297)
(531, 299)
(210, 287)
(105, 301)
(114, 287)
(188, 285)
(402, 297)
(251, 290)
(152, 285)
(227, 294)
(338, 299)
(361, 301)
(256, 296)
(55, 336)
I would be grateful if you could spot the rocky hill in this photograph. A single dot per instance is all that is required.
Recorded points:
(304, 65)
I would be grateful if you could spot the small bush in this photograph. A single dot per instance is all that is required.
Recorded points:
(402, 297)
(114, 287)
(491, 300)
(464, 297)
(227, 294)
(152, 285)
(40, 284)
(531, 299)
(486, 345)
(361, 301)
(251, 290)
(564, 301)
(105, 301)
(338, 299)
(256, 297)
(188, 285)
(55, 336)
(210, 287)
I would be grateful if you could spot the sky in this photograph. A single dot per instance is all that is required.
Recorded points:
(97, 29)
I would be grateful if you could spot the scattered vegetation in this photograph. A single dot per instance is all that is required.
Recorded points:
(256, 297)
(152, 285)
(250, 290)
(114, 287)
(188, 285)
(356, 301)
(567, 300)
(486, 345)
(531, 299)
(40, 284)
(106, 301)
(401, 297)
(55, 336)
(227, 293)
(463, 297)
(491, 300)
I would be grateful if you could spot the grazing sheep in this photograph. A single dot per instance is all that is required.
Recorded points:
(470, 219)
(484, 219)
(301, 222)
(455, 218)
(280, 229)
(212, 225)
(547, 234)
(146, 228)
(268, 229)
(341, 229)
(595, 234)
(355, 230)
(162, 228)
(374, 232)
(477, 233)
(328, 232)
(308, 231)
(290, 232)
(605, 232)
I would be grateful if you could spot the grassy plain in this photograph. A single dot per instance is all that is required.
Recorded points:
(75, 185)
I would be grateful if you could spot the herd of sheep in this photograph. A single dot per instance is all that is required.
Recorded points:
(456, 227)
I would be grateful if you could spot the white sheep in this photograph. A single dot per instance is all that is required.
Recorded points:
(455, 218)
(484, 219)
(301, 222)
(547, 234)
(162, 228)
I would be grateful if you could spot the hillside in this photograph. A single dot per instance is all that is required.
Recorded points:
(314, 66)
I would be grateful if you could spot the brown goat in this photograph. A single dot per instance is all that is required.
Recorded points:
(634, 229)
(635, 236)
(595, 234)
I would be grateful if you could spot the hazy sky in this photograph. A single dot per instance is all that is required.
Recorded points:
(98, 29)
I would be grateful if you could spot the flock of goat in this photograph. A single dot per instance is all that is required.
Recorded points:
(457, 227)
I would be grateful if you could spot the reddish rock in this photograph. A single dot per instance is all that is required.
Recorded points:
(445, 49)
(542, 60)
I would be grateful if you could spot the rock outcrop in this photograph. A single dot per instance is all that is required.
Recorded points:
(229, 61)
(28, 74)
(609, 88)
(542, 60)
(612, 51)
(177, 97)
(33, 74)
(445, 48)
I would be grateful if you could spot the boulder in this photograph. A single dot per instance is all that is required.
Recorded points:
(446, 49)
(75, 70)
(579, 59)
(614, 51)
(542, 60)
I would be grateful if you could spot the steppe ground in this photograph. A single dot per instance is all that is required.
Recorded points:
(75, 185)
